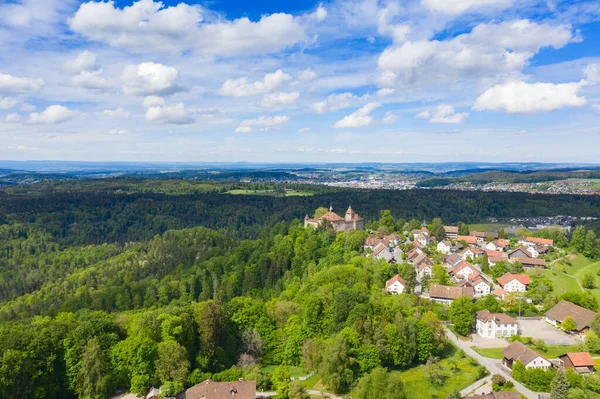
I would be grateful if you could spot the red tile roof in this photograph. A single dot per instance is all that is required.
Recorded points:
(581, 359)
(467, 239)
(394, 279)
(508, 277)
(538, 240)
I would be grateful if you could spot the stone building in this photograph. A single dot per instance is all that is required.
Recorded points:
(350, 221)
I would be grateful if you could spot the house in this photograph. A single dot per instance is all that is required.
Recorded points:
(395, 285)
(413, 253)
(532, 262)
(481, 286)
(518, 253)
(422, 239)
(496, 395)
(495, 325)
(464, 270)
(351, 221)
(451, 232)
(493, 260)
(494, 254)
(381, 251)
(452, 260)
(445, 294)
(541, 249)
(397, 254)
(499, 293)
(222, 390)
(530, 358)
(372, 241)
(533, 252)
(424, 269)
(498, 245)
(583, 317)
(393, 239)
(423, 261)
(529, 241)
(477, 252)
(470, 240)
(415, 233)
(581, 362)
(514, 282)
(444, 247)
(467, 253)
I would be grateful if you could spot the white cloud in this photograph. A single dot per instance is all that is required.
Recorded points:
(262, 123)
(334, 102)
(160, 111)
(119, 113)
(521, 97)
(54, 114)
(118, 132)
(13, 84)
(149, 26)
(86, 72)
(274, 100)
(12, 118)
(592, 73)
(454, 7)
(443, 114)
(385, 92)
(149, 78)
(303, 130)
(389, 118)
(359, 118)
(7, 102)
(90, 80)
(241, 88)
(397, 32)
(489, 50)
(321, 13)
(308, 74)
(26, 107)
(85, 61)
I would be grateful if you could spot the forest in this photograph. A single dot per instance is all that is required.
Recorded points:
(121, 285)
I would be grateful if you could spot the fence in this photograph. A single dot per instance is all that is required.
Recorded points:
(304, 378)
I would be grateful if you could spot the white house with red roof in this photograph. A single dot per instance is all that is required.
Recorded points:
(514, 282)
(444, 247)
(467, 253)
(464, 270)
(395, 285)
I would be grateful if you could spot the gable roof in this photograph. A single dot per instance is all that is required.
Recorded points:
(372, 240)
(521, 249)
(583, 317)
(453, 259)
(508, 277)
(451, 229)
(501, 318)
(532, 261)
(449, 292)
(518, 351)
(445, 242)
(499, 292)
(464, 265)
(580, 359)
(538, 240)
(394, 279)
(379, 248)
(332, 217)
(222, 390)
(494, 254)
(467, 239)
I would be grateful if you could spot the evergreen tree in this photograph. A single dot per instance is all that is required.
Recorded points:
(92, 379)
(560, 386)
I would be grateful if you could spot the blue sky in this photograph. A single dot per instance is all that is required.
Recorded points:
(272, 81)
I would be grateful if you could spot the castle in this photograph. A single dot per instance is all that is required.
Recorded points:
(351, 221)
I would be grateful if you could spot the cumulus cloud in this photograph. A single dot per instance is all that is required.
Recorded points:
(12, 118)
(262, 123)
(334, 102)
(241, 88)
(54, 114)
(320, 14)
(303, 130)
(85, 61)
(274, 100)
(85, 72)
(147, 26)
(26, 107)
(308, 74)
(397, 32)
(158, 110)
(7, 102)
(488, 50)
(523, 98)
(359, 118)
(389, 118)
(13, 84)
(118, 113)
(385, 92)
(455, 7)
(443, 114)
(592, 73)
(150, 79)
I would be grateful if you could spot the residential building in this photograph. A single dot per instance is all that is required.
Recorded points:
(581, 362)
(444, 247)
(495, 325)
(518, 253)
(372, 241)
(452, 260)
(467, 253)
(481, 286)
(222, 390)
(351, 221)
(583, 317)
(493, 260)
(415, 233)
(393, 239)
(500, 294)
(494, 254)
(533, 251)
(464, 270)
(532, 262)
(451, 232)
(514, 282)
(470, 240)
(395, 285)
(422, 239)
(423, 269)
(381, 251)
(530, 358)
(445, 294)
(397, 254)
(498, 245)
(530, 241)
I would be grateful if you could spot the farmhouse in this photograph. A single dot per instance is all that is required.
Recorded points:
(519, 253)
(530, 358)
(351, 221)
(495, 325)
(395, 285)
(514, 282)
(471, 240)
(581, 362)
(451, 232)
(583, 317)
(445, 294)
(222, 390)
(444, 247)
(532, 262)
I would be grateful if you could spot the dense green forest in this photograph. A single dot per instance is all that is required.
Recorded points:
(124, 284)
(500, 176)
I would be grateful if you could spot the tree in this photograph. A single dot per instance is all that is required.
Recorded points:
(436, 229)
(502, 234)
(568, 324)
(588, 281)
(281, 381)
(379, 384)
(320, 211)
(387, 220)
(336, 366)
(560, 386)
(518, 371)
(297, 391)
(92, 379)
(172, 363)
(454, 395)
(577, 393)
(578, 239)
(463, 229)
(425, 341)
(440, 275)
(462, 314)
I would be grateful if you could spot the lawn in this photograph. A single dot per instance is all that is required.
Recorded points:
(487, 227)
(418, 386)
(580, 266)
(552, 351)
(270, 193)
(294, 371)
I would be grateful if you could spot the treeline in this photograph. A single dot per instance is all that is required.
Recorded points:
(492, 176)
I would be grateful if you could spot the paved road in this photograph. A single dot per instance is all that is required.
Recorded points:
(493, 366)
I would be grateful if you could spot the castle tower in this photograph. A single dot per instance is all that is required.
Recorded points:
(349, 214)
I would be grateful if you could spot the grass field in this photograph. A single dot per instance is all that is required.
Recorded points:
(551, 352)
(270, 193)
(418, 386)
(580, 266)
(488, 227)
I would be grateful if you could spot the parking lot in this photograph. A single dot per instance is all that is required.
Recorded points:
(539, 329)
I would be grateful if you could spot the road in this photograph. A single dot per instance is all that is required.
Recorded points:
(309, 391)
(493, 366)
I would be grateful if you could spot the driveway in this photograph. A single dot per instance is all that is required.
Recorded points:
(481, 342)
(539, 329)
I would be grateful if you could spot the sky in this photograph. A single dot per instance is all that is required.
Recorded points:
(300, 81)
